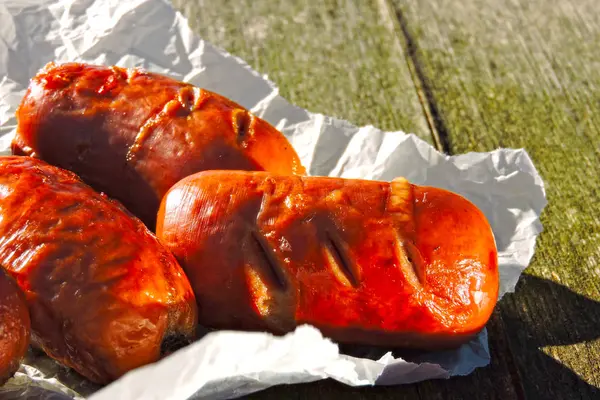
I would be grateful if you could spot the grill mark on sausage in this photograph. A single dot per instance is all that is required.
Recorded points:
(400, 206)
(409, 261)
(186, 101)
(269, 263)
(201, 98)
(340, 262)
(186, 98)
(242, 121)
(110, 84)
(144, 132)
(400, 201)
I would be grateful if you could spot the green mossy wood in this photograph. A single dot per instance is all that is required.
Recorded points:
(327, 56)
(467, 76)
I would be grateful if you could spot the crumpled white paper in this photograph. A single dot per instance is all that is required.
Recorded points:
(150, 34)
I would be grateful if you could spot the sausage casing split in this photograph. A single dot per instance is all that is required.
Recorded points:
(14, 327)
(104, 296)
(133, 134)
(367, 262)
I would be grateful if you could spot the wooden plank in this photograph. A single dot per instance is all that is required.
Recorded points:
(524, 73)
(333, 57)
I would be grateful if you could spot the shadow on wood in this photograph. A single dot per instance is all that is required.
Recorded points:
(529, 322)
(542, 314)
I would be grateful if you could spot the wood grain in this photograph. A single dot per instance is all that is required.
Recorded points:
(329, 56)
(524, 73)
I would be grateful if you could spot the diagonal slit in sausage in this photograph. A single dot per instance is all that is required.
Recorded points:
(409, 262)
(338, 259)
(268, 261)
(242, 122)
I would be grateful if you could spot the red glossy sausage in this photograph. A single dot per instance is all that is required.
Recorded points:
(366, 262)
(14, 327)
(104, 296)
(133, 134)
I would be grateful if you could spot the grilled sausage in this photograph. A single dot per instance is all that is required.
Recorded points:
(14, 327)
(366, 262)
(133, 134)
(104, 296)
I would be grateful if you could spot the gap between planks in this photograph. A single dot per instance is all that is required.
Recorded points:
(395, 22)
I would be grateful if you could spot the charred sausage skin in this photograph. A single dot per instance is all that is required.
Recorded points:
(133, 134)
(104, 296)
(376, 263)
(14, 327)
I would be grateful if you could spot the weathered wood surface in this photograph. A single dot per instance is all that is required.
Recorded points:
(467, 75)
(524, 73)
(328, 56)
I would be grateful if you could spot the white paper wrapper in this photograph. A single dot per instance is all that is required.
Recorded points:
(150, 34)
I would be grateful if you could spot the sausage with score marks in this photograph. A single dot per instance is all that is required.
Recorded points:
(133, 134)
(366, 262)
